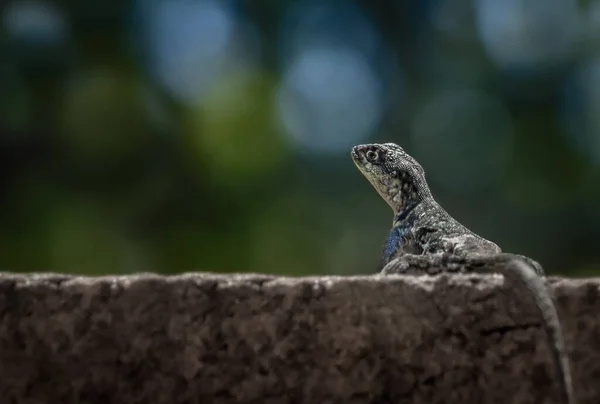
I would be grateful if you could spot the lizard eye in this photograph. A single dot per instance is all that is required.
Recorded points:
(371, 155)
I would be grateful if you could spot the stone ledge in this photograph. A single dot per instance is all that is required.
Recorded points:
(262, 339)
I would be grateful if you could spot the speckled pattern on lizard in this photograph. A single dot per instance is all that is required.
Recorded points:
(422, 227)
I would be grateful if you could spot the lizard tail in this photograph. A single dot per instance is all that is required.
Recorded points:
(524, 273)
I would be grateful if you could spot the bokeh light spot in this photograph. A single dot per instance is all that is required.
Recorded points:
(233, 131)
(192, 43)
(329, 100)
(35, 22)
(528, 34)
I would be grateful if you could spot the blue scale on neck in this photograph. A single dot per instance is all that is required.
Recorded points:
(402, 225)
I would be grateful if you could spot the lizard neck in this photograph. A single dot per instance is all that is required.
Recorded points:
(406, 192)
(405, 220)
(415, 210)
(418, 198)
(405, 212)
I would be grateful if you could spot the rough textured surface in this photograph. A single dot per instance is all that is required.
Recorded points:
(260, 339)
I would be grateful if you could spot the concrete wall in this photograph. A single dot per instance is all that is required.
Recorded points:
(203, 338)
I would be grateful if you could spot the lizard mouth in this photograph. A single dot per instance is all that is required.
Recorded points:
(355, 156)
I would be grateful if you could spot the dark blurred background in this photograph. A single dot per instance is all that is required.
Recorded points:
(180, 135)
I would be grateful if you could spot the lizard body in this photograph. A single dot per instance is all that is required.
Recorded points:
(421, 226)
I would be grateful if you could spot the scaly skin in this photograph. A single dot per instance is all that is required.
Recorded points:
(422, 226)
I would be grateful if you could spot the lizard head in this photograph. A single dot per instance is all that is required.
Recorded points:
(396, 176)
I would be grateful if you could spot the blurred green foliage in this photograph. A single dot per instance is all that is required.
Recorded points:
(103, 170)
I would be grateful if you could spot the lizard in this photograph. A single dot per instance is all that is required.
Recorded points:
(422, 227)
